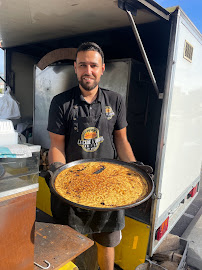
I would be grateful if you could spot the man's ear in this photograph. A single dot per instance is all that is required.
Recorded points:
(75, 66)
(103, 68)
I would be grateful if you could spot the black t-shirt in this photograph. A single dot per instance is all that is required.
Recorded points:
(59, 121)
(61, 118)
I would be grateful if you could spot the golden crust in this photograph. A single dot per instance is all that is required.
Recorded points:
(101, 185)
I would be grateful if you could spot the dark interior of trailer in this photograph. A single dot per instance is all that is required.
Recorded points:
(143, 105)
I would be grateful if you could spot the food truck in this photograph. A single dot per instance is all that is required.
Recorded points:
(153, 58)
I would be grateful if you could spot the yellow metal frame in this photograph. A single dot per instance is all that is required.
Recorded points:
(43, 197)
(69, 266)
(133, 247)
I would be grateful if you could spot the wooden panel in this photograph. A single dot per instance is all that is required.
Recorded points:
(16, 195)
(17, 232)
(58, 244)
(57, 55)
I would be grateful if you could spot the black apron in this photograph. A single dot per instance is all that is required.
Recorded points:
(89, 137)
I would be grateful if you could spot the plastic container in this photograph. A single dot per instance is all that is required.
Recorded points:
(8, 135)
(21, 168)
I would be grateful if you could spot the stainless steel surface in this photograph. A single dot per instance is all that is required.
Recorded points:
(144, 55)
(112, 161)
(116, 76)
(48, 83)
(57, 79)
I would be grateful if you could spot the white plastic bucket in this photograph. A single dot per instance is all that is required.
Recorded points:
(8, 135)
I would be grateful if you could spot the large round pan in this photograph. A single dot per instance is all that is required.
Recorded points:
(125, 164)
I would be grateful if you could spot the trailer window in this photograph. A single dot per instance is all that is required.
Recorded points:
(2, 84)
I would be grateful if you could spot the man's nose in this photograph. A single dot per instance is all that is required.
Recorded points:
(88, 69)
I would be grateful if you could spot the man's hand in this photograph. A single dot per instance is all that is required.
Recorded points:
(56, 154)
(52, 168)
(148, 169)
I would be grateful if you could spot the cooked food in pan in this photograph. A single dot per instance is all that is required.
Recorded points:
(101, 184)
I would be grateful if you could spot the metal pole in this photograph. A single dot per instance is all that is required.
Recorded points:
(3, 80)
(144, 55)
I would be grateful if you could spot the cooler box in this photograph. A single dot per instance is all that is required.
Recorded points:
(18, 190)
(24, 170)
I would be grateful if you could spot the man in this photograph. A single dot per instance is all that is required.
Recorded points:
(75, 115)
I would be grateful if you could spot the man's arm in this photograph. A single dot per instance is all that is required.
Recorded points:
(123, 148)
(57, 148)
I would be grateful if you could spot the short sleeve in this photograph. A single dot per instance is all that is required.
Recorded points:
(56, 122)
(121, 121)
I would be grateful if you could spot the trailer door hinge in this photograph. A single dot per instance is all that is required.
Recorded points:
(157, 196)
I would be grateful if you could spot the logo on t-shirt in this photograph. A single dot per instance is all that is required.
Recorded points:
(90, 139)
(109, 112)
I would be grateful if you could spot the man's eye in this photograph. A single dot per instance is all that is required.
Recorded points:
(93, 66)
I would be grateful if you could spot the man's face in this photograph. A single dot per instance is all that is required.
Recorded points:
(89, 68)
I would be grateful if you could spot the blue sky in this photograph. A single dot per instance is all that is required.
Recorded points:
(193, 8)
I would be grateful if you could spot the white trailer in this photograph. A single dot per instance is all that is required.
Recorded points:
(180, 143)
(159, 52)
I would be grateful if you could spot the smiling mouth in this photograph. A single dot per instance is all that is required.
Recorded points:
(87, 79)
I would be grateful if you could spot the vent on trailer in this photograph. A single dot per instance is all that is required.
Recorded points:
(188, 51)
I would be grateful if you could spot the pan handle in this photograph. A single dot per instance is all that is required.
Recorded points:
(148, 169)
(52, 168)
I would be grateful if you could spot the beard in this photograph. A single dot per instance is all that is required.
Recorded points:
(88, 86)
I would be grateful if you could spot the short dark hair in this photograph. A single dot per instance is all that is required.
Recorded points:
(90, 46)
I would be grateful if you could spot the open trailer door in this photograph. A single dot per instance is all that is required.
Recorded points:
(30, 22)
